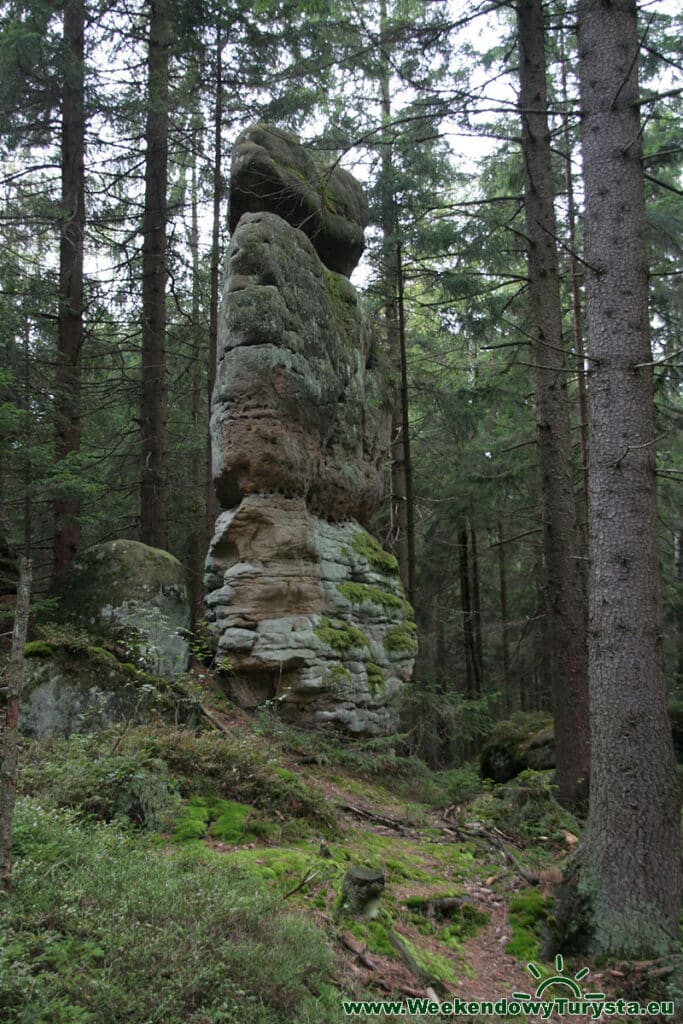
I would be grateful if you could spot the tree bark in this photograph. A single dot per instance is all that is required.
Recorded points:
(502, 577)
(154, 278)
(476, 609)
(211, 505)
(629, 863)
(402, 534)
(197, 538)
(563, 592)
(9, 747)
(66, 511)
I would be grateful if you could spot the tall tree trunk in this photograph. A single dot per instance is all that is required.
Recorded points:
(502, 577)
(66, 511)
(9, 736)
(154, 277)
(678, 549)
(577, 310)
(471, 679)
(402, 534)
(28, 468)
(197, 538)
(629, 862)
(476, 608)
(563, 589)
(211, 506)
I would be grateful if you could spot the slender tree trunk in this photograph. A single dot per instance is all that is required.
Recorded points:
(405, 430)
(28, 469)
(471, 679)
(502, 577)
(67, 527)
(154, 277)
(476, 609)
(577, 310)
(629, 862)
(9, 737)
(401, 479)
(197, 539)
(563, 591)
(439, 645)
(211, 506)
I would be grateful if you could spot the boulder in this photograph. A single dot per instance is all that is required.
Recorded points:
(300, 406)
(88, 690)
(524, 741)
(271, 172)
(124, 589)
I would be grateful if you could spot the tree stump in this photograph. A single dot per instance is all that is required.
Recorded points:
(361, 890)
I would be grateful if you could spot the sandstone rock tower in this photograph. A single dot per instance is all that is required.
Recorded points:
(307, 606)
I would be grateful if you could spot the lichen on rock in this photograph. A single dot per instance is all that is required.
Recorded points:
(303, 599)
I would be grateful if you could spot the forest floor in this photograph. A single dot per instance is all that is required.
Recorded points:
(262, 822)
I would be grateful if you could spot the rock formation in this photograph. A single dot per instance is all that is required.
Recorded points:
(125, 589)
(307, 606)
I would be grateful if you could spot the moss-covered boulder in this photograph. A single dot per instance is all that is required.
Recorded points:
(86, 689)
(134, 593)
(524, 741)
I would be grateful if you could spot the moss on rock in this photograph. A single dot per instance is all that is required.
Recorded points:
(370, 548)
(340, 636)
(401, 639)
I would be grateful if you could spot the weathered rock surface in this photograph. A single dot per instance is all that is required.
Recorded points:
(308, 608)
(298, 405)
(124, 588)
(310, 614)
(272, 172)
(66, 692)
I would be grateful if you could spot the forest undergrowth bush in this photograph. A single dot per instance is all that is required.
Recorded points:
(102, 929)
(144, 773)
(525, 808)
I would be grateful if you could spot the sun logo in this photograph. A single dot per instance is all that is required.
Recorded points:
(559, 979)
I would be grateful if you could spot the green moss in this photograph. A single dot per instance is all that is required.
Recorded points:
(373, 934)
(360, 593)
(528, 911)
(192, 822)
(371, 549)
(344, 305)
(376, 680)
(401, 639)
(339, 673)
(230, 821)
(340, 636)
(38, 649)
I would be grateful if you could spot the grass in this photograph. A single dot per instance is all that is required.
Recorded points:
(103, 929)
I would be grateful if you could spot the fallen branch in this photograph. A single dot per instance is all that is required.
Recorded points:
(381, 819)
(357, 950)
(304, 881)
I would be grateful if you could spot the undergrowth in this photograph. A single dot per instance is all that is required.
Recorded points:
(101, 929)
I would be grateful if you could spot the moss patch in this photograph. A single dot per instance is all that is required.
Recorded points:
(528, 912)
(376, 680)
(360, 593)
(340, 636)
(401, 639)
(371, 549)
(38, 649)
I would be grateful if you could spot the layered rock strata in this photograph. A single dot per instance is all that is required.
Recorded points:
(308, 608)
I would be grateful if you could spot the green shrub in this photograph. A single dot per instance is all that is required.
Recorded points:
(100, 929)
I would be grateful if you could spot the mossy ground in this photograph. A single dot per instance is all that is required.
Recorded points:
(239, 799)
